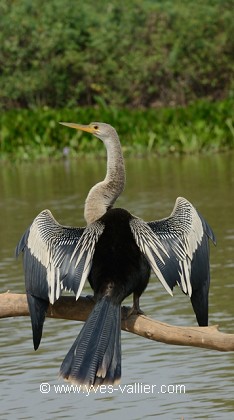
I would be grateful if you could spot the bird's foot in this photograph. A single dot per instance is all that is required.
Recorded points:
(127, 312)
(138, 312)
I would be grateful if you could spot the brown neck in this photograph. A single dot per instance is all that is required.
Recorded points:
(104, 194)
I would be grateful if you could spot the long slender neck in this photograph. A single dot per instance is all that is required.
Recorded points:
(104, 194)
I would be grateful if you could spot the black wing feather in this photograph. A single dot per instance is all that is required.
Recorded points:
(178, 250)
(47, 248)
(55, 257)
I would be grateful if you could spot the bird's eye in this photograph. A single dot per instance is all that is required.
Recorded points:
(95, 127)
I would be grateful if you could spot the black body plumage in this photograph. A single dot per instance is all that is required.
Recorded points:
(116, 251)
(119, 268)
(117, 271)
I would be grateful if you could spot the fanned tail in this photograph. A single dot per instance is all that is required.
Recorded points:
(95, 356)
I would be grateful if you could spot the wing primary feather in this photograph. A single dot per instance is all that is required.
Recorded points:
(47, 247)
(177, 247)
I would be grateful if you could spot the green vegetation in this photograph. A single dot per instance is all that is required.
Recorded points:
(159, 71)
(36, 134)
(66, 53)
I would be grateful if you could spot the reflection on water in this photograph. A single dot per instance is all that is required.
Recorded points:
(152, 187)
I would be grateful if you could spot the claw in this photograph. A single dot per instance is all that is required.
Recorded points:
(134, 310)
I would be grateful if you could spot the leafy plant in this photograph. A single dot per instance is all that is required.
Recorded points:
(36, 134)
(67, 53)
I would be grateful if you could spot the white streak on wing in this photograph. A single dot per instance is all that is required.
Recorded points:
(191, 236)
(185, 277)
(43, 246)
(86, 247)
(154, 266)
(155, 249)
(189, 286)
(51, 282)
(185, 267)
(183, 232)
(193, 230)
(178, 249)
(192, 240)
(89, 250)
(37, 246)
(87, 241)
(53, 274)
(84, 275)
(145, 239)
(143, 234)
(41, 252)
(183, 283)
(58, 288)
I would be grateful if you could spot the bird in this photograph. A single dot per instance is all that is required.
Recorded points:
(116, 251)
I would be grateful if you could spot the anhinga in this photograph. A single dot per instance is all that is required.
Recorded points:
(116, 252)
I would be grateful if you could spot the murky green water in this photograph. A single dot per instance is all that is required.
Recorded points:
(152, 187)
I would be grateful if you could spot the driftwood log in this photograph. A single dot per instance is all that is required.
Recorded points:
(12, 305)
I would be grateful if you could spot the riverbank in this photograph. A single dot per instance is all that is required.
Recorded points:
(35, 134)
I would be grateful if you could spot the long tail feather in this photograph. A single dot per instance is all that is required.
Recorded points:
(95, 356)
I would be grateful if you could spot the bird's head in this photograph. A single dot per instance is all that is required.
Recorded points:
(101, 130)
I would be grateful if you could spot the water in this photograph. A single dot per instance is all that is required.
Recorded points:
(152, 186)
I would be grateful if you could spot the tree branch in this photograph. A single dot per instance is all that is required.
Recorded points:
(67, 307)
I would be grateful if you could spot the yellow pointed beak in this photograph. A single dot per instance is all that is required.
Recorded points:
(87, 128)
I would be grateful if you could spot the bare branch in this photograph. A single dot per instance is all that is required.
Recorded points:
(12, 305)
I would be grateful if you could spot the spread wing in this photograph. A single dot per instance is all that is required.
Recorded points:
(178, 251)
(57, 257)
